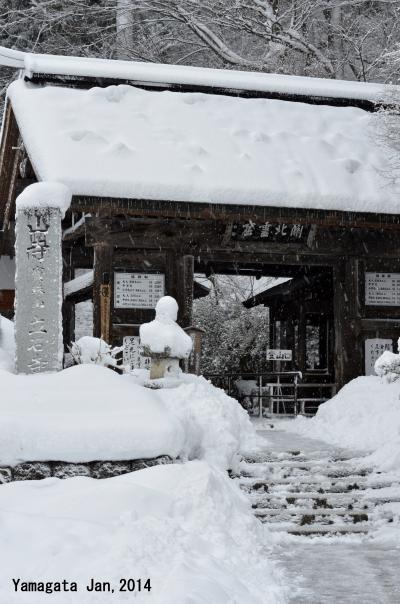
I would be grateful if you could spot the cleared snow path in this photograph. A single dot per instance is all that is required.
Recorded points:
(327, 503)
(345, 573)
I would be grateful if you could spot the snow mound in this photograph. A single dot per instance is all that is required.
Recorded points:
(217, 428)
(82, 414)
(45, 195)
(364, 415)
(166, 523)
(164, 334)
(7, 345)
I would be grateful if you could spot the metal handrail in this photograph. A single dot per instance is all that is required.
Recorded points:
(276, 380)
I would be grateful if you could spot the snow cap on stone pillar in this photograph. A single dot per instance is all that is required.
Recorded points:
(45, 195)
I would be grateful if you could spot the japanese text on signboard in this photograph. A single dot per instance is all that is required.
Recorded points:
(374, 348)
(138, 290)
(279, 355)
(382, 289)
(271, 231)
(132, 354)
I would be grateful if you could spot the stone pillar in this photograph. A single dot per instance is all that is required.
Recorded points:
(38, 320)
(38, 314)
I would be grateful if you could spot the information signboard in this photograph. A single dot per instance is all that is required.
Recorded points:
(374, 347)
(131, 356)
(279, 355)
(382, 289)
(138, 290)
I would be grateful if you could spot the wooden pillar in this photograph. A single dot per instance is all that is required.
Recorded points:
(102, 291)
(179, 284)
(68, 312)
(348, 345)
(302, 340)
(290, 340)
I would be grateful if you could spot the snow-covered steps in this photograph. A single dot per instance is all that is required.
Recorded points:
(309, 492)
(321, 529)
(313, 514)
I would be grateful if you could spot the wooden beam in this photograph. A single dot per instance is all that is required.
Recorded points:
(231, 212)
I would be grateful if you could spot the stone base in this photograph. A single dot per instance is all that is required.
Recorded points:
(37, 470)
(163, 367)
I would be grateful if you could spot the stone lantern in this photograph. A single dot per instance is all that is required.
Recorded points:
(164, 341)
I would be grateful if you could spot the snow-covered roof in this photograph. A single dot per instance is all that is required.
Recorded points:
(80, 282)
(123, 141)
(154, 73)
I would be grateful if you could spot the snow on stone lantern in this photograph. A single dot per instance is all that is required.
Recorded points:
(38, 321)
(164, 341)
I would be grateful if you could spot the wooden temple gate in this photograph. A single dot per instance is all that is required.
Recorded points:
(344, 265)
(175, 240)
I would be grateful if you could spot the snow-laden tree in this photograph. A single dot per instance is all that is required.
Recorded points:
(236, 338)
(386, 123)
(331, 38)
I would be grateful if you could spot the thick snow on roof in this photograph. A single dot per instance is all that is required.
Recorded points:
(125, 142)
(200, 76)
(186, 75)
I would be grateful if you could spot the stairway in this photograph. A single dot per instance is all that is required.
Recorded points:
(316, 493)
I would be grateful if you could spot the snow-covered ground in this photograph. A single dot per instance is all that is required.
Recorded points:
(88, 413)
(186, 527)
(364, 415)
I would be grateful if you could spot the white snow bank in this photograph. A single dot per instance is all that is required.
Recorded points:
(87, 413)
(83, 413)
(45, 195)
(217, 428)
(7, 346)
(364, 415)
(163, 333)
(126, 142)
(166, 523)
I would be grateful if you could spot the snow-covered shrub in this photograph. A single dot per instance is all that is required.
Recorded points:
(387, 366)
(93, 351)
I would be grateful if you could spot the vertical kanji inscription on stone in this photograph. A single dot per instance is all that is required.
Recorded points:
(38, 290)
